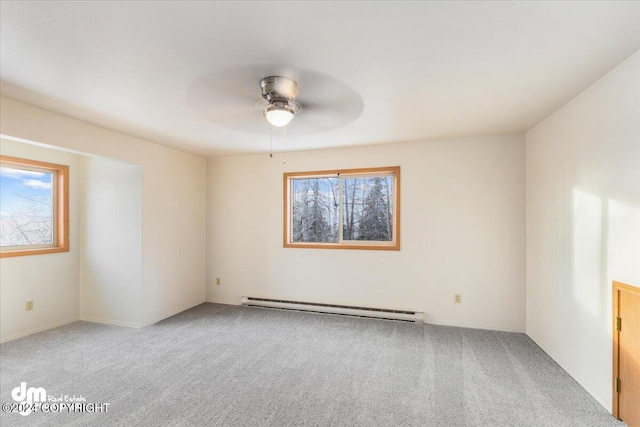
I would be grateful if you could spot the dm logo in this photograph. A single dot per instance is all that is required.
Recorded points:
(28, 396)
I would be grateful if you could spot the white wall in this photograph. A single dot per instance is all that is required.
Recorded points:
(463, 231)
(172, 201)
(111, 242)
(50, 280)
(583, 223)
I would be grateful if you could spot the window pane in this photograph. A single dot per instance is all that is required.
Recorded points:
(26, 207)
(315, 209)
(368, 209)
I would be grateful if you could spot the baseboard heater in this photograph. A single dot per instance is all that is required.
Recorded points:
(377, 313)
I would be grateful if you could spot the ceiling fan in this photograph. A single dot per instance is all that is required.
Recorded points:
(241, 98)
(280, 93)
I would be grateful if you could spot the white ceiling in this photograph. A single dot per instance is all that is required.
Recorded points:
(423, 70)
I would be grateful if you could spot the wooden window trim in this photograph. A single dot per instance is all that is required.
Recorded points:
(61, 206)
(394, 246)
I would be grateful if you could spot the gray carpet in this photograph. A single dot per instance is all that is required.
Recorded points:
(238, 366)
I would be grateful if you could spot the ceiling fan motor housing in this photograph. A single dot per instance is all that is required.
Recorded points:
(278, 89)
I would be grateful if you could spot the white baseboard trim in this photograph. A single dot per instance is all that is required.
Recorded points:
(606, 403)
(472, 326)
(42, 329)
(189, 306)
(110, 322)
(224, 302)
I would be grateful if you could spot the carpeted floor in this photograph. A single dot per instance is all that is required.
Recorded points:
(238, 366)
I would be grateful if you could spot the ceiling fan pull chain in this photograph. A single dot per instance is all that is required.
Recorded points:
(270, 141)
(284, 136)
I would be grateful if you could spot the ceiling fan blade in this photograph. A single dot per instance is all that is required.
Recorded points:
(318, 118)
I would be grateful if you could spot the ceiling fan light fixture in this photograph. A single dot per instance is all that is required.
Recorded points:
(278, 115)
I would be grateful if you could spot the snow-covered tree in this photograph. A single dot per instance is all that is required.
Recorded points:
(375, 222)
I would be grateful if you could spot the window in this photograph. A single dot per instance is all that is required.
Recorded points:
(34, 207)
(344, 209)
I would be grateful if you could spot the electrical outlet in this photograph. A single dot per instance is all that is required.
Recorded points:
(457, 298)
(218, 281)
(28, 305)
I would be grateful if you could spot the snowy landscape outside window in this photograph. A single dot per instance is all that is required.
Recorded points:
(33, 207)
(346, 209)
